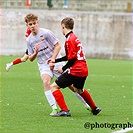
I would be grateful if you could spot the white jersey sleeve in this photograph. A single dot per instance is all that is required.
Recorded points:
(52, 39)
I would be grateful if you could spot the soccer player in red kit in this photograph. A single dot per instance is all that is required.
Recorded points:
(19, 60)
(74, 72)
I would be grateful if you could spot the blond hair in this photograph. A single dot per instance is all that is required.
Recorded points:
(30, 17)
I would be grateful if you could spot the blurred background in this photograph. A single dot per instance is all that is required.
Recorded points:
(105, 27)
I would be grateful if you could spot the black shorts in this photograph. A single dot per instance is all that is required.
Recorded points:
(66, 80)
(26, 52)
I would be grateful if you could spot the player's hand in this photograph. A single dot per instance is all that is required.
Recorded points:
(60, 70)
(37, 46)
(51, 63)
(50, 60)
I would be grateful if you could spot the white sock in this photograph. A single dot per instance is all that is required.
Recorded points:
(50, 98)
(11, 63)
(81, 99)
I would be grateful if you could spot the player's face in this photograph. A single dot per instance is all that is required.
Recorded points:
(33, 26)
(63, 29)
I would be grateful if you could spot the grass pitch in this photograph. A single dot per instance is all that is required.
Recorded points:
(24, 108)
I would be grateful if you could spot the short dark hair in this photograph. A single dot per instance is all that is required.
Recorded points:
(68, 22)
(30, 17)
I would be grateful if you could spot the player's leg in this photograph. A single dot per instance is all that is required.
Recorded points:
(60, 101)
(47, 91)
(79, 97)
(17, 61)
(78, 84)
(56, 74)
(61, 82)
(87, 97)
(46, 76)
(24, 58)
(9, 65)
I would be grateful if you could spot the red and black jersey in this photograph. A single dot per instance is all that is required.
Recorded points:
(73, 49)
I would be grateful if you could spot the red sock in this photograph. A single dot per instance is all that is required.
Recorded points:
(17, 61)
(87, 97)
(60, 100)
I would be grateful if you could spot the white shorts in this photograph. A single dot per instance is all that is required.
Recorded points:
(45, 69)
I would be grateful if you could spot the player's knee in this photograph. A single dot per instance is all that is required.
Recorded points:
(79, 91)
(46, 83)
(71, 87)
(54, 86)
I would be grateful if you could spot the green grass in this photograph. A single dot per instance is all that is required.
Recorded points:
(24, 108)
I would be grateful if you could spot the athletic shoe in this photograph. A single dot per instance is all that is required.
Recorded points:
(96, 111)
(88, 108)
(8, 66)
(62, 113)
(54, 112)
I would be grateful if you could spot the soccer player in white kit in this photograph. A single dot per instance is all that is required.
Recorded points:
(43, 45)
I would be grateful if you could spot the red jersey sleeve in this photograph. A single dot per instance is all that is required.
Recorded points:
(27, 33)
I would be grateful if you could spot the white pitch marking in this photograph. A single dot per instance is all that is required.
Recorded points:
(124, 130)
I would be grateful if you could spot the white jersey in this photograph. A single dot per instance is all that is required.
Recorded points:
(47, 40)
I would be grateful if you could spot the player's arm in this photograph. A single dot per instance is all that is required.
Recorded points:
(57, 60)
(57, 48)
(64, 58)
(71, 56)
(33, 56)
(69, 64)
(52, 39)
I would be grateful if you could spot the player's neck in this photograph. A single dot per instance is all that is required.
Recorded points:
(67, 32)
(35, 32)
